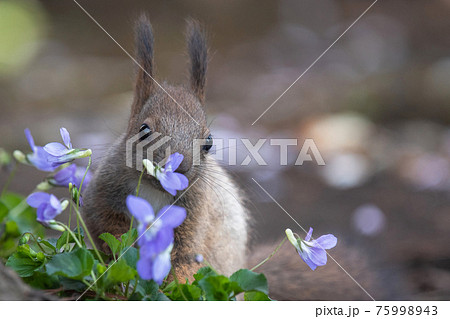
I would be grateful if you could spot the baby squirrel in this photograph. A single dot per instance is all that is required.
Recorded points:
(217, 221)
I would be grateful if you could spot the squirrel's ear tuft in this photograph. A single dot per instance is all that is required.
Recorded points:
(198, 56)
(144, 57)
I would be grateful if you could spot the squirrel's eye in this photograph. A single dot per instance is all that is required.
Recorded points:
(146, 130)
(208, 143)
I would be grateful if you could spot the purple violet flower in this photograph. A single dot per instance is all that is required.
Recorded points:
(199, 258)
(39, 158)
(169, 179)
(53, 155)
(155, 236)
(58, 149)
(312, 251)
(71, 174)
(48, 206)
(65, 153)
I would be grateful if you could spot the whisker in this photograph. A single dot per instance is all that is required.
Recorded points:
(217, 195)
(251, 190)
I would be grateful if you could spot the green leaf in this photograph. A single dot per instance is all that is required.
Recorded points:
(147, 287)
(148, 290)
(52, 241)
(250, 281)
(47, 244)
(113, 242)
(24, 267)
(218, 288)
(169, 287)
(191, 292)
(120, 272)
(202, 273)
(186, 291)
(131, 257)
(25, 250)
(24, 261)
(41, 280)
(24, 239)
(62, 240)
(128, 239)
(76, 264)
(255, 296)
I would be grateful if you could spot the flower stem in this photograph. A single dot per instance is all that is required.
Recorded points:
(68, 224)
(95, 280)
(270, 256)
(78, 228)
(39, 245)
(126, 289)
(137, 194)
(89, 236)
(82, 180)
(134, 287)
(79, 194)
(131, 223)
(139, 182)
(71, 233)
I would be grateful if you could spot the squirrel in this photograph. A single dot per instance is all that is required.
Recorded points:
(217, 222)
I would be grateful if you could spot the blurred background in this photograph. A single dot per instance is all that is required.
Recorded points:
(377, 105)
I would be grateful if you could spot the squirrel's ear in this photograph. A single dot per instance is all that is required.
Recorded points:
(144, 57)
(198, 56)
